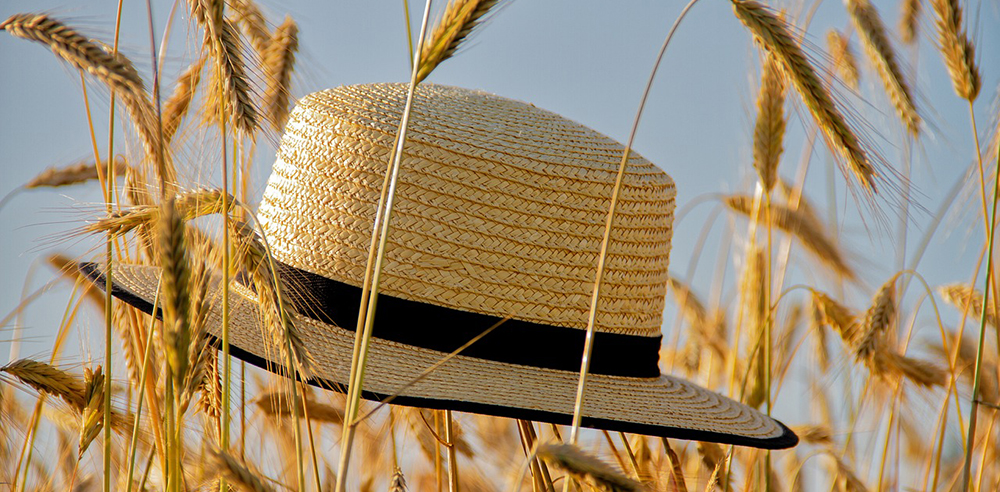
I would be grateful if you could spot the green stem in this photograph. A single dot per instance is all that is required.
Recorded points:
(970, 442)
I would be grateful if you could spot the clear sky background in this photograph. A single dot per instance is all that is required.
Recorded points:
(587, 60)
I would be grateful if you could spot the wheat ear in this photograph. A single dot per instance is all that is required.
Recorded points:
(909, 20)
(46, 378)
(459, 19)
(873, 36)
(180, 101)
(964, 296)
(223, 41)
(843, 58)
(773, 35)
(237, 472)
(956, 48)
(277, 309)
(174, 287)
(114, 70)
(248, 16)
(585, 467)
(878, 318)
(279, 62)
(801, 226)
(769, 130)
(80, 172)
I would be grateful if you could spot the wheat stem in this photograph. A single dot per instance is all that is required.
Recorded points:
(376, 256)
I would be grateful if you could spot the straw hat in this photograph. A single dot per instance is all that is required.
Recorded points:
(500, 210)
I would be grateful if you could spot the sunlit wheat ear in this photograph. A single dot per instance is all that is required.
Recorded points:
(690, 306)
(837, 316)
(846, 475)
(275, 403)
(251, 20)
(174, 289)
(798, 224)
(815, 434)
(963, 297)
(80, 172)
(843, 57)
(873, 37)
(189, 205)
(276, 309)
(177, 106)
(457, 22)
(888, 363)
(92, 416)
(877, 320)
(223, 42)
(909, 20)
(714, 459)
(237, 472)
(279, 63)
(116, 71)
(587, 468)
(773, 35)
(957, 49)
(397, 483)
(48, 379)
(769, 130)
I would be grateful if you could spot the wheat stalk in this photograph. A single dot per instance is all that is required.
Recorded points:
(843, 58)
(457, 22)
(769, 130)
(177, 106)
(798, 224)
(80, 172)
(279, 62)
(773, 34)
(909, 20)
(956, 48)
(873, 36)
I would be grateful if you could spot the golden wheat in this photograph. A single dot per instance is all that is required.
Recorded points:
(80, 172)
(956, 48)
(876, 42)
(773, 35)
(843, 58)
(585, 467)
(769, 130)
(279, 62)
(799, 225)
(177, 106)
(457, 22)
(877, 320)
(909, 20)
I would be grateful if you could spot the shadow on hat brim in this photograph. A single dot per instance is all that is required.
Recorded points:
(665, 406)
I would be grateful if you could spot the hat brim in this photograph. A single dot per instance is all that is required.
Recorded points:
(659, 406)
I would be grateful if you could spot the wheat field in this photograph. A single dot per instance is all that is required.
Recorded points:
(836, 166)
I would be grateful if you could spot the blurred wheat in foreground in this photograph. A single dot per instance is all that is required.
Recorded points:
(894, 398)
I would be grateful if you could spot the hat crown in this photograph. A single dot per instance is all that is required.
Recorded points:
(500, 206)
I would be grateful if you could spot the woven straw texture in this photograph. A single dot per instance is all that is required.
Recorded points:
(500, 206)
(663, 401)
